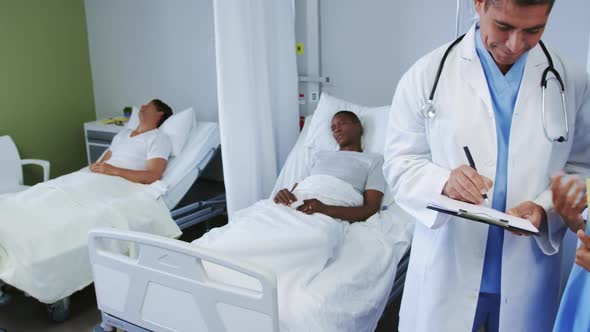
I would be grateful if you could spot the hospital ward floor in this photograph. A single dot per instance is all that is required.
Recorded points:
(25, 314)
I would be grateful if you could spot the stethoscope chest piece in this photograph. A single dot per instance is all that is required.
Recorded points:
(428, 109)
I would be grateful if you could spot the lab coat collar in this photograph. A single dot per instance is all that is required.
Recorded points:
(468, 51)
(472, 71)
(474, 75)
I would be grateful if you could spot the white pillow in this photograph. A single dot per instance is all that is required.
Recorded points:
(133, 119)
(178, 127)
(373, 119)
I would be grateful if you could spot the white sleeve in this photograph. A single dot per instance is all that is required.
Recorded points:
(160, 147)
(411, 175)
(551, 233)
(578, 163)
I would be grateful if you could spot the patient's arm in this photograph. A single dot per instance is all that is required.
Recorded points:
(285, 196)
(371, 204)
(106, 157)
(153, 173)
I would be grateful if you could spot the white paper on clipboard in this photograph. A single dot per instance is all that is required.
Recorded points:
(458, 208)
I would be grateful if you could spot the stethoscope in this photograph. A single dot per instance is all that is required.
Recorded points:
(428, 110)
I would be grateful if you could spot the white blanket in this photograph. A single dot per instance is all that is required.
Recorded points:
(43, 230)
(331, 275)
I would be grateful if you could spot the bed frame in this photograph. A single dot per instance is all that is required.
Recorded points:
(227, 307)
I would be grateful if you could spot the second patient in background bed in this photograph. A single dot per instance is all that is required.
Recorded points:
(139, 155)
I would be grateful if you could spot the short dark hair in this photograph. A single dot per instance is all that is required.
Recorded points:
(164, 108)
(352, 117)
(524, 3)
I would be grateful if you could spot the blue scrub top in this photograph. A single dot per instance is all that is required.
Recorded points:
(504, 91)
(574, 311)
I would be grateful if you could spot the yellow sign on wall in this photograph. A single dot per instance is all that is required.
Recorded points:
(299, 48)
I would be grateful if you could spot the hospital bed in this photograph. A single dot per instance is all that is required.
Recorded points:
(166, 287)
(180, 176)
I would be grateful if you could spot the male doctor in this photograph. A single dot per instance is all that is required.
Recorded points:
(465, 275)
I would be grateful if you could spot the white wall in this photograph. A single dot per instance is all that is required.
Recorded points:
(568, 30)
(145, 49)
(366, 46)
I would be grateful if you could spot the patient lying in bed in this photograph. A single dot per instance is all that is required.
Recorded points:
(301, 231)
(363, 171)
(43, 229)
(139, 155)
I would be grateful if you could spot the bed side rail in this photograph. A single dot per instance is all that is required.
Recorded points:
(163, 284)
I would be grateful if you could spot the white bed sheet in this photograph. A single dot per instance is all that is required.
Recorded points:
(383, 238)
(43, 230)
(331, 275)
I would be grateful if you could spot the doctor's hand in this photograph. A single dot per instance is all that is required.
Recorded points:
(285, 197)
(568, 200)
(466, 185)
(583, 253)
(533, 212)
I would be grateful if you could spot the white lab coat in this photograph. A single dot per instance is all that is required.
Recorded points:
(444, 275)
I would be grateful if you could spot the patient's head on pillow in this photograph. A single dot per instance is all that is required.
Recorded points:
(347, 130)
(154, 113)
(163, 108)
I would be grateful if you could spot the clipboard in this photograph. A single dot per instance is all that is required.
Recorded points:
(482, 217)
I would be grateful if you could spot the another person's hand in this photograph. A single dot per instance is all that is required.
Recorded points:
(311, 206)
(103, 168)
(583, 253)
(533, 212)
(285, 197)
(466, 185)
(567, 202)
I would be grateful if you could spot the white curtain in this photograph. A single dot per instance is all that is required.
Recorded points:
(257, 94)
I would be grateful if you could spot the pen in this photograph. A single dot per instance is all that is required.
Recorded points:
(472, 164)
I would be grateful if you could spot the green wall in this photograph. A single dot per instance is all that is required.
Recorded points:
(45, 82)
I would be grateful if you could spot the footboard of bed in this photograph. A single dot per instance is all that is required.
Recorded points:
(164, 286)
